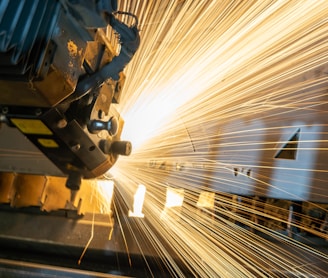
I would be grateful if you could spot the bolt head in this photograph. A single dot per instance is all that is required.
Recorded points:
(62, 123)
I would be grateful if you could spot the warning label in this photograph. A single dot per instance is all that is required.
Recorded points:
(48, 143)
(31, 126)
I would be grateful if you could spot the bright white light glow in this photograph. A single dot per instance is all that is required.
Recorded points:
(138, 201)
(106, 188)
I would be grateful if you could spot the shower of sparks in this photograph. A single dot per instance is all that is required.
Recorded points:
(213, 93)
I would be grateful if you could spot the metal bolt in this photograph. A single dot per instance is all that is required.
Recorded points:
(62, 123)
(5, 110)
(76, 147)
(38, 112)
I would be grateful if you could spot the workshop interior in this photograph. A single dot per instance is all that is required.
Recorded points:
(172, 138)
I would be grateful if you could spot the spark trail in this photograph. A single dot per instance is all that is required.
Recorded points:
(213, 85)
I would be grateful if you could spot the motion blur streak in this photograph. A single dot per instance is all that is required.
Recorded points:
(202, 64)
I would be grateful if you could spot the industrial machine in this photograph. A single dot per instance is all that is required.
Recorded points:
(61, 76)
(61, 80)
(61, 71)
